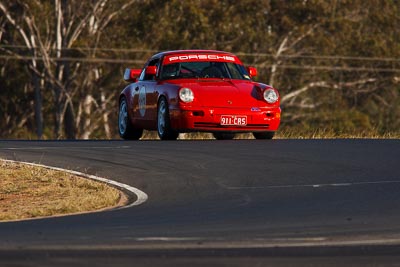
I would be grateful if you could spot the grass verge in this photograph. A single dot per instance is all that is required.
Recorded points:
(320, 133)
(30, 192)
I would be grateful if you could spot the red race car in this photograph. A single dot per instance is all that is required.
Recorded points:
(197, 91)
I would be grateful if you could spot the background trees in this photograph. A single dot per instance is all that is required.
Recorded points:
(336, 63)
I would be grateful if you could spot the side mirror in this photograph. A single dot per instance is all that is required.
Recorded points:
(130, 75)
(252, 71)
(151, 70)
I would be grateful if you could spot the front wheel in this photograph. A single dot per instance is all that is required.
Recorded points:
(125, 127)
(264, 135)
(164, 130)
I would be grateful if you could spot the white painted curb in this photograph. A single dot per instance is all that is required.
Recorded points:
(141, 196)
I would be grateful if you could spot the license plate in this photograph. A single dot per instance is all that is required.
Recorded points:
(233, 120)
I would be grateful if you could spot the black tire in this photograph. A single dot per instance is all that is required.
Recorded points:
(125, 127)
(264, 135)
(224, 136)
(164, 130)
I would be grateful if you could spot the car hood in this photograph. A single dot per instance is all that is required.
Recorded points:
(223, 92)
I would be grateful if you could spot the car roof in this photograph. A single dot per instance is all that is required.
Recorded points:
(174, 52)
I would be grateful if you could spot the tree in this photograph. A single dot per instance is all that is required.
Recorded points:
(336, 64)
(52, 46)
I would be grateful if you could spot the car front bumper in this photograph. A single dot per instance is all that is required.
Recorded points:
(209, 119)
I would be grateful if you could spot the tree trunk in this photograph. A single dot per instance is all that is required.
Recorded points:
(105, 115)
(38, 105)
(69, 122)
(57, 112)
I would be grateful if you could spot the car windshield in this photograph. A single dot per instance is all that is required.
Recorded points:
(204, 69)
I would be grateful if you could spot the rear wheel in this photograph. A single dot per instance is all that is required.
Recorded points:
(224, 136)
(165, 132)
(125, 127)
(264, 135)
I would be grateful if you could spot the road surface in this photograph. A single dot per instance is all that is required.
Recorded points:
(220, 203)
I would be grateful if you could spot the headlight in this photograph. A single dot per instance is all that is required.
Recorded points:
(271, 95)
(186, 95)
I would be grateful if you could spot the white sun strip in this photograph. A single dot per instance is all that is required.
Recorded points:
(312, 185)
(141, 196)
(69, 147)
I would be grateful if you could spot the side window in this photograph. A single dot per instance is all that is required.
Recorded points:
(144, 77)
(141, 77)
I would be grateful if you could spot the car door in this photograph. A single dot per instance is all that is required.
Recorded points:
(145, 99)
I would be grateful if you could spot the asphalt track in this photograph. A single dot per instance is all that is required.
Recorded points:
(220, 203)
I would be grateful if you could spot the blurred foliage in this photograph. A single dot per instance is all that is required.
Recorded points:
(336, 63)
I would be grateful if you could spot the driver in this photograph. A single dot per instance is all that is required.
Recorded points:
(170, 70)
